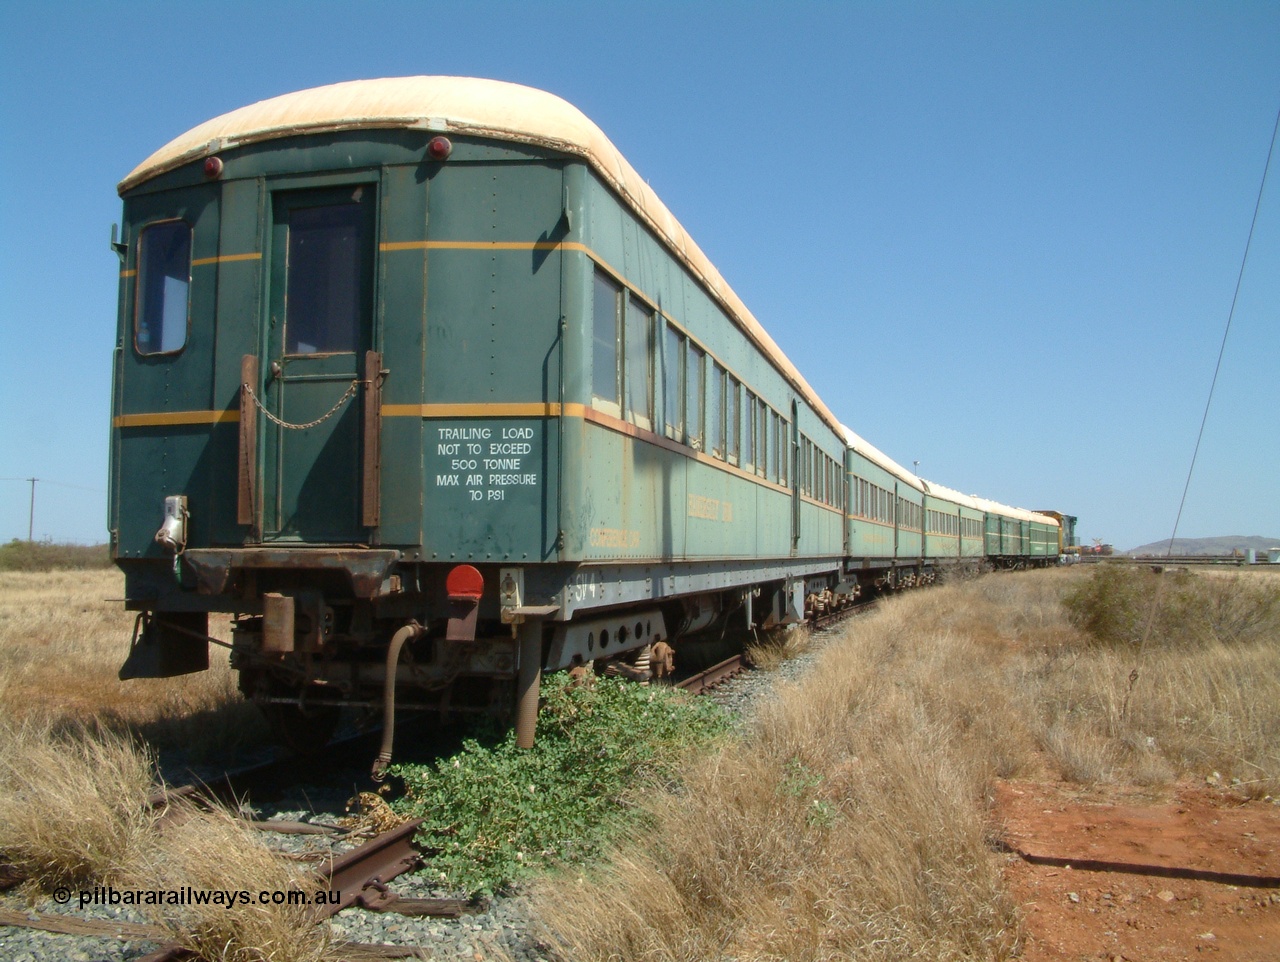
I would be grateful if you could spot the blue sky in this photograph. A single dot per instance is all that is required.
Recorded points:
(1001, 239)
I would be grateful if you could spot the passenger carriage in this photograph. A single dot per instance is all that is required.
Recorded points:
(425, 387)
(424, 359)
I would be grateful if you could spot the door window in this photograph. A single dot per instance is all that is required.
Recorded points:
(326, 299)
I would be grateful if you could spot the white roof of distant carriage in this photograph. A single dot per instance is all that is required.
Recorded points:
(951, 494)
(483, 108)
(1018, 514)
(877, 457)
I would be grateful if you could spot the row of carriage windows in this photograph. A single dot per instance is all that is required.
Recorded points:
(821, 476)
(942, 523)
(945, 523)
(873, 502)
(704, 405)
(910, 514)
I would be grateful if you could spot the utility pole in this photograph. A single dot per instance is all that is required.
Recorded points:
(31, 516)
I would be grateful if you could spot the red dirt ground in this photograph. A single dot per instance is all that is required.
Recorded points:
(1119, 874)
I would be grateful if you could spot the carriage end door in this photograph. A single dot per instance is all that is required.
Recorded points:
(311, 379)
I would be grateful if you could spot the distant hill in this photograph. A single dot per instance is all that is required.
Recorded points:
(1223, 545)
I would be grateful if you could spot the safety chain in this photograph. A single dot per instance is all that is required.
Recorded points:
(351, 389)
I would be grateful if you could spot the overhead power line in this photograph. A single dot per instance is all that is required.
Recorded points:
(1257, 205)
(1222, 348)
(31, 512)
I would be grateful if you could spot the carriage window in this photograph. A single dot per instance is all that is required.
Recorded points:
(782, 452)
(735, 419)
(715, 412)
(164, 287)
(749, 433)
(604, 354)
(326, 260)
(695, 378)
(673, 374)
(764, 443)
(639, 361)
(771, 422)
(762, 439)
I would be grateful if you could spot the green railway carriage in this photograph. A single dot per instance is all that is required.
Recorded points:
(941, 523)
(1015, 537)
(953, 524)
(972, 519)
(885, 516)
(422, 364)
(426, 388)
(1046, 535)
(1066, 530)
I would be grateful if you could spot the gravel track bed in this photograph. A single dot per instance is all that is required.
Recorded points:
(504, 929)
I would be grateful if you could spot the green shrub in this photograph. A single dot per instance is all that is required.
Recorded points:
(1121, 606)
(494, 813)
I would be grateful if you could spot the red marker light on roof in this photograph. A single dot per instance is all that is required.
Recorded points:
(440, 148)
(213, 168)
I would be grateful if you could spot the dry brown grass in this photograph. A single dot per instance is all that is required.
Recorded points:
(1187, 715)
(63, 637)
(850, 820)
(774, 647)
(74, 780)
(72, 804)
(213, 852)
(1195, 693)
(74, 811)
(848, 823)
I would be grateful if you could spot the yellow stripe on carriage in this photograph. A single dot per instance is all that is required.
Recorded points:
(446, 245)
(226, 259)
(173, 418)
(535, 409)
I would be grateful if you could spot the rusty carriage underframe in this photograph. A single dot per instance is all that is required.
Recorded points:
(318, 629)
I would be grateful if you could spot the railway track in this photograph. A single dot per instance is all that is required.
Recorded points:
(359, 875)
(711, 678)
(362, 875)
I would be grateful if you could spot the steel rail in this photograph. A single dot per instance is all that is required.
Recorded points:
(706, 680)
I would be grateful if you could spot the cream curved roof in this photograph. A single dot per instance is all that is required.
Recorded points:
(485, 108)
(1018, 514)
(952, 495)
(877, 457)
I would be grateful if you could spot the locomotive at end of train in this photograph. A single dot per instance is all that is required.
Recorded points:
(427, 391)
